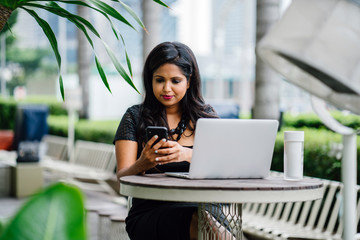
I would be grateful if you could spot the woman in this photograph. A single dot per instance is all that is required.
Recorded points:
(172, 99)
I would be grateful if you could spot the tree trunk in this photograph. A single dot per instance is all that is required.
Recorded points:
(267, 82)
(4, 16)
(151, 18)
(84, 63)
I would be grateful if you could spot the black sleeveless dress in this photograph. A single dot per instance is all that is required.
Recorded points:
(150, 219)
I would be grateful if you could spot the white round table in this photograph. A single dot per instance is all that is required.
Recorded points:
(228, 192)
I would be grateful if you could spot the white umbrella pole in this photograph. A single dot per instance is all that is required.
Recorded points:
(348, 166)
(72, 117)
(348, 173)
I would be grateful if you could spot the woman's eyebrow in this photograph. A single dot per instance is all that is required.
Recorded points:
(174, 77)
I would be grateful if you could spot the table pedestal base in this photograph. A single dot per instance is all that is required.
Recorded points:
(224, 221)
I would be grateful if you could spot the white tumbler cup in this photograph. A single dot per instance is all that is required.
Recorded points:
(293, 155)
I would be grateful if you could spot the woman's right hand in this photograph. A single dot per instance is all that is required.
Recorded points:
(149, 155)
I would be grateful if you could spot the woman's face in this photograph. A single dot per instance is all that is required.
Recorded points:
(169, 85)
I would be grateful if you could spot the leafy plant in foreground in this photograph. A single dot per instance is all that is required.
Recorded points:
(55, 213)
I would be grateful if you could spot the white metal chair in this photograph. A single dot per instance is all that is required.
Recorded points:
(318, 219)
(90, 166)
(56, 147)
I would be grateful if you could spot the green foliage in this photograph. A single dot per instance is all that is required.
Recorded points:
(58, 125)
(322, 153)
(23, 63)
(96, 131)
(28, 59)
(7, 113)
(56, 213)
(55, 106)
(350, 120)
(8, 109)
(11, 4)
(311, 120)
(322, 148)
(2, 225)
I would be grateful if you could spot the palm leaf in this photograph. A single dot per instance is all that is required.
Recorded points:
(133, 14)
(74, 18)
(61, 84)
(11, 4)
(53, 42)
(115, 30)
(128, 62)
(57, 10)
(102, 7)
(48, 32)
(79, 22)
(9, 28)
(110, 11)
(119, 67)
(102, 74)
(161, 3)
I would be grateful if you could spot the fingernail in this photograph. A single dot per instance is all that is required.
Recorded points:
(156, 136)
(164, 140)
(156, 159)
(156, 151)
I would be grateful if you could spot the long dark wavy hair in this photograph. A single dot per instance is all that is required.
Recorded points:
(193, 106)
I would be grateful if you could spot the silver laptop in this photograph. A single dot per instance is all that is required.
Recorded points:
(231, 148)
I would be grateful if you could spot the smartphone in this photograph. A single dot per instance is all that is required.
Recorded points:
(162, 132)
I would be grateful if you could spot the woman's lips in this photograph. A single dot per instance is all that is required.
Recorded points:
(167, 97)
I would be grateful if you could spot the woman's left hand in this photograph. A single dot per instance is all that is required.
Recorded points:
(172, 151)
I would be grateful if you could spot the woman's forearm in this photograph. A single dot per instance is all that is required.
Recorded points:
(135, 169)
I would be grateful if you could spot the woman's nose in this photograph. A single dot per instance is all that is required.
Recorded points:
(167, 86)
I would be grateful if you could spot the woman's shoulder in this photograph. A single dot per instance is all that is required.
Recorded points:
(134, 108)
(134, 111)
